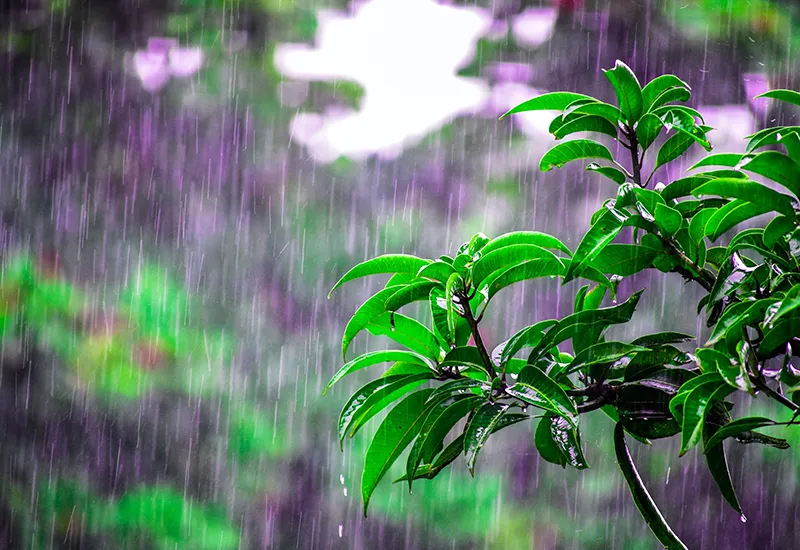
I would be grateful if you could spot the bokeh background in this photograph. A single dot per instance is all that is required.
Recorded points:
(182, 182)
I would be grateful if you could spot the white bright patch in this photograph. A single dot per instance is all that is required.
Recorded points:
(164, 59)
(731, 123)
(405, 54)
(534, 26)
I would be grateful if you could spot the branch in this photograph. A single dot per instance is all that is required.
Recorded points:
(636, 164)
(760, 384)
(704, 278)
(476, 335)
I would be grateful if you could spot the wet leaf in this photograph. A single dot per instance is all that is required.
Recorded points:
(629, 92)
(733, 372)
(554, 101)
(388, 263)
(789, 96)
(624, 259)
(718, 466)
(398, 429)
(568, 440)
(601, 234)
(526, 237)
(408, 294)
(737, 427)
(657, 86)
(370, 400)
(546, 445)
(374, 358)
(506, 257)
(610, 172)
(668, 219)
(749, 191)
(479, 429)
(576, 149)
(533, 386)
(586, 123)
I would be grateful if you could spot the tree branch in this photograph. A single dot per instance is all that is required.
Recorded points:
(476, 335)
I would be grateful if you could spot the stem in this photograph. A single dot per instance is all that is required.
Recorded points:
(704, 278)
(476, 335)
(762, 385)
(592, 405)
(636, 163)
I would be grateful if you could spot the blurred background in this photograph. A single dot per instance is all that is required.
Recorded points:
(182, 182)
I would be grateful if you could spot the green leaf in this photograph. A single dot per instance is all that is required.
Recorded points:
(527, 337)
(400, 426)
(608, 171)
(676, 403)
(596, 108)
(674, 147)
(438, 271)
(770, 164)
(789, 96)
(733, 372)
(594, 321)
(661, 338)
(668, 219)
(370, 310)
(624, 259)
(374, 358)
(695, 410)
(629, 92)
(670, 96)
(436, 427)
(777, 334)
(718, 466)
(533, 385)
(546, 445)
(657, 86)
(777, 229)
(504, 258)
(641, 498)
(406, 332)
(789, 303)
(532, 269)
(465, 356)
(525, 237)
(586, 123)
(678, 119)
(600, 234)
(602, 352)
(568, 440)
(408, 294)
(356, 401)
(384, 396)
(698, 226)
(477, 242)
(737, 316)
(388, 263)
(554, 101)
(737, 427)
(731, 215)
(454, 285)
(647, 130)
(576, 149)
(683, 187)
(749, 191)
(479, 429)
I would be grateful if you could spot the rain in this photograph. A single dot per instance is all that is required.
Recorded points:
(182, 183)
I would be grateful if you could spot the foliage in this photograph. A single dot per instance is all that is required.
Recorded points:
(446, 393)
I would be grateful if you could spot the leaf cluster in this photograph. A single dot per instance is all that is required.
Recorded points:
(446, 393)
